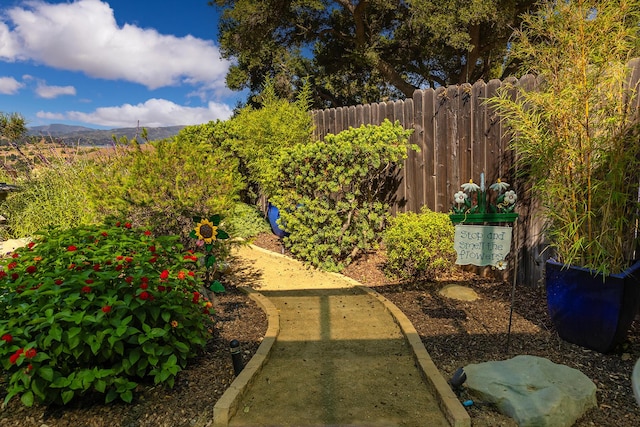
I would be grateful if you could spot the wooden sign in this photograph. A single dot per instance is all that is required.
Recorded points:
(482, 244)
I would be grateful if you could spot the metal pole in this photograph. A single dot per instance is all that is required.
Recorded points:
(513, 287)
(236, 357)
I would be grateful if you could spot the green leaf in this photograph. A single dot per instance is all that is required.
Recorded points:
(209, 261)
(127, 396)
(67, 396)
(221, 234)
(27, 398)
(46, 372)
(217, 287)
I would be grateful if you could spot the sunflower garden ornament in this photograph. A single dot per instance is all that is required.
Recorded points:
(209, 236)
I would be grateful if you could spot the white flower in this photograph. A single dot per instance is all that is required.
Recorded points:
(470, 187)
(510, 197)
(460, 197)
(499, 186)
(500, 265)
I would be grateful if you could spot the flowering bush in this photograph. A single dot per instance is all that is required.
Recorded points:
(96, 309)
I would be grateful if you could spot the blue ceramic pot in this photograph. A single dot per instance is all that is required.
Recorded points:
(274, 214)
(589, 310)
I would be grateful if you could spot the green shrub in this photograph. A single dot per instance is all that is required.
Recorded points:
(246, 221)
(164, 184)
(52, 195)
(333, 196)
(419, 246)
(257, 135)
(97, 309)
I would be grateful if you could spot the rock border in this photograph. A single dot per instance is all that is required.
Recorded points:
(227, 406)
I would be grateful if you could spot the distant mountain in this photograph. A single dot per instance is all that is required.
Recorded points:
(98, 137)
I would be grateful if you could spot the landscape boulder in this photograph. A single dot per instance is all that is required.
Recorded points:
(532, 390)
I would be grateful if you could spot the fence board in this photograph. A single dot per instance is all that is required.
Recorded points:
(478, 129)
(417, 167)
(429, 144)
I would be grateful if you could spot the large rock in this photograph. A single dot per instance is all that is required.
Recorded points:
(11, 245)
(533, 390)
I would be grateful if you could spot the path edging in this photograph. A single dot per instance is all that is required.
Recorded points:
(227, 406)
(448, 402)
(447, 399)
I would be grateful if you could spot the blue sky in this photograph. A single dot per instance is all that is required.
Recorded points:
(112, 63)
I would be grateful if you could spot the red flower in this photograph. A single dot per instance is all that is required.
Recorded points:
(127, 225)
(144, 279)
(128, 279)
(2, 274)
(31, 269)
(118, 267)
(104, 234)
(72, 248)
(7, 338)
(144, 286)
(128, 259)
(118, 224)
(196, 297)
(147, 233)
(14, 357)
(15, 255)
(31, 353)
(59, 282)
(161, 288)
(181, 275)
(153, 259)
(144, 295)
(88, 281)
(164, 275)
(106, 309)
(152, 248)
(96, 267)
(15, 276)
(191, 273)
(119, 257)
(31, 245)
(12, 265)
(86, 289)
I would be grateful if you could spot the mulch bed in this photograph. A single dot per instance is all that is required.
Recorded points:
(455, 333)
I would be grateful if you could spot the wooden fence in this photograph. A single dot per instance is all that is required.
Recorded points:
(459, 137)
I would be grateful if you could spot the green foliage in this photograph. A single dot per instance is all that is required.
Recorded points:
(164, 184)
(357, 52)
(97, 309)
(576, 135)
(246, 221)
(333, 196)
(256, 135)
(12, 127)
(419, 246)
(52, 195)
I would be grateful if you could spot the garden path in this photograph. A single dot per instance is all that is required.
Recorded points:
(343, 355)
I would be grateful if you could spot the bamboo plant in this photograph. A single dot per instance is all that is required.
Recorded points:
(576, 134)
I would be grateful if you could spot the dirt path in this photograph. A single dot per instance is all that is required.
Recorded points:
(340, 359)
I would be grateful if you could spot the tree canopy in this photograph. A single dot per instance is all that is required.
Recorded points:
(361, 51)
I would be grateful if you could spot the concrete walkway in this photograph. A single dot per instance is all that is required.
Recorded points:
(335, 353)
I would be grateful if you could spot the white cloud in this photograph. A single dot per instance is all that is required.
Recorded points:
(152, 113)
(50, 92)
(9, 86)
(84, 36)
